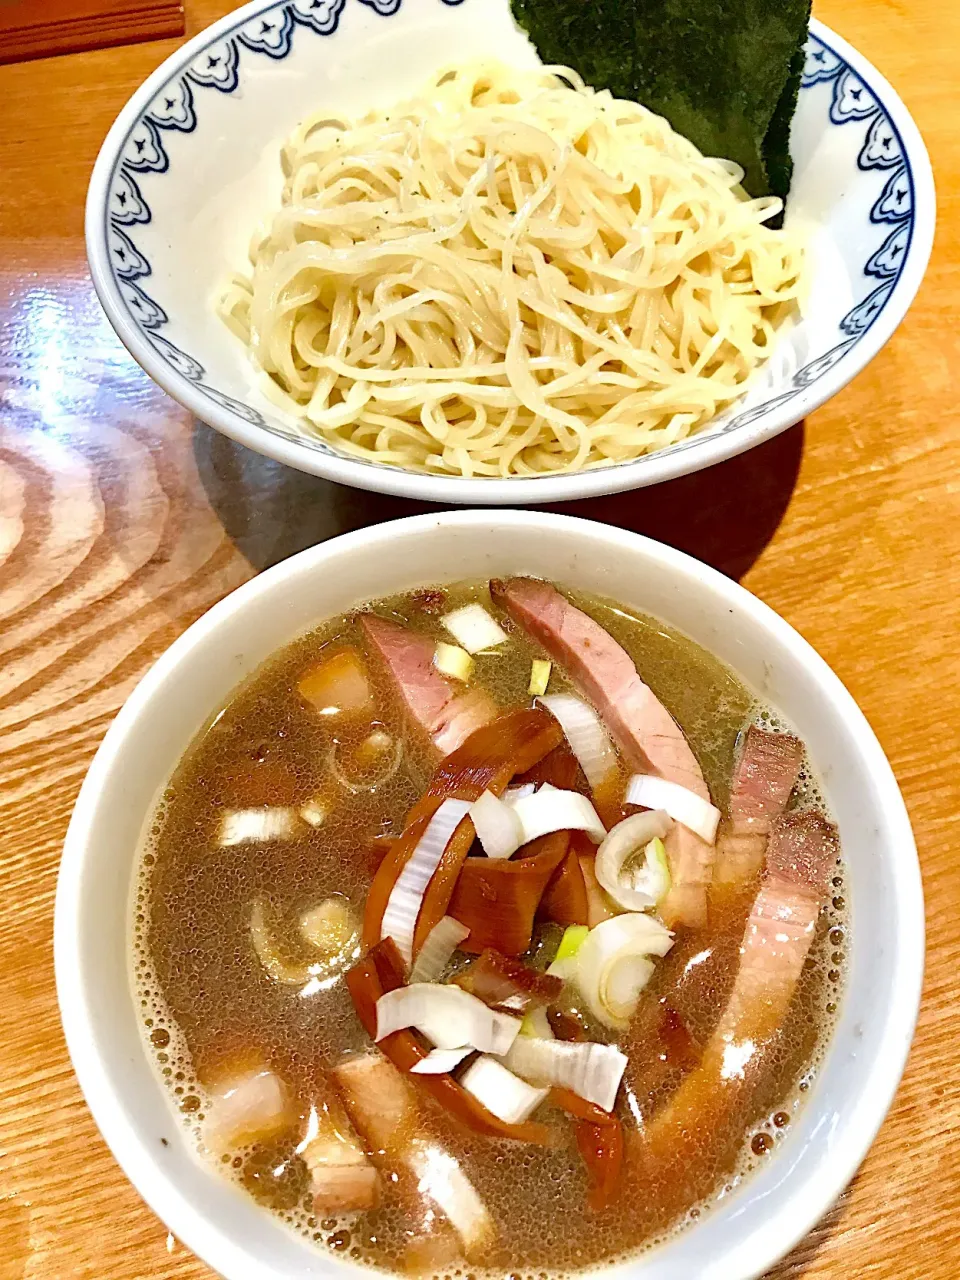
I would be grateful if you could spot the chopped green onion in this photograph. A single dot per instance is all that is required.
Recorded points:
(565, 963)
(656, 857)
(451, 660)
(314, 812)
(574, 936)
(540, 670)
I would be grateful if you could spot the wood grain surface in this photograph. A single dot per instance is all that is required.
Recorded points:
(42, 28)
(121, 520)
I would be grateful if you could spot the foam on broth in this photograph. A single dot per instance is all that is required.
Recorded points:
(209, 1008)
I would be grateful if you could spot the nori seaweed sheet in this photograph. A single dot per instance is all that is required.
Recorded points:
(725, 73)
(776, 141)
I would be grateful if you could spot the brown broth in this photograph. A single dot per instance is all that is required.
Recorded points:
(209, 1007)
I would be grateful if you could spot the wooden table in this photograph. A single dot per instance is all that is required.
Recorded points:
(121, 520)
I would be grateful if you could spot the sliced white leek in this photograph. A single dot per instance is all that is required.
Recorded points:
(499, 829)
(683, 805)
(636, 891)
(574, 936)
(374, 744)
(614, 965)
(440, 1177)
(654, 876)
(591, 1070)
(331, 927)
(564, 964)
(584, 731)
(513, 794)
(239, 826)
(474, 628)
(438, 946)
(368, 753)
(406, 897)
(551, 809)
(448, 1016)
(500, 1091)
(439, 1061)
(536, 1023)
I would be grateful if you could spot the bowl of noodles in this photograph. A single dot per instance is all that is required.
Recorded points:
(383, 243)
(195, 984)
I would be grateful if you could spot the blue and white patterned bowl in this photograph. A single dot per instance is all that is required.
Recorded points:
(192, 165)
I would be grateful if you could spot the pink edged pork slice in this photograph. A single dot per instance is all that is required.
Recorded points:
(649, 738)
(765, 777)
(699, 1130)
(801, 857)
(449, 715)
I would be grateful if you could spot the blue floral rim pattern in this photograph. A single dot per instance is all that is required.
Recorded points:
(271, 33)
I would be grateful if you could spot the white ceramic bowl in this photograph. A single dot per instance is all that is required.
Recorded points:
(191, 166)
(747, 1232)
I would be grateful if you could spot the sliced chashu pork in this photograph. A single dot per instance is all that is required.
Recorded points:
(383, 1105)
(697, 1134)
(256, 1105)
(766, 775)
(447, 713)
(801, 857)
(649, 738)
(342, 1178)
